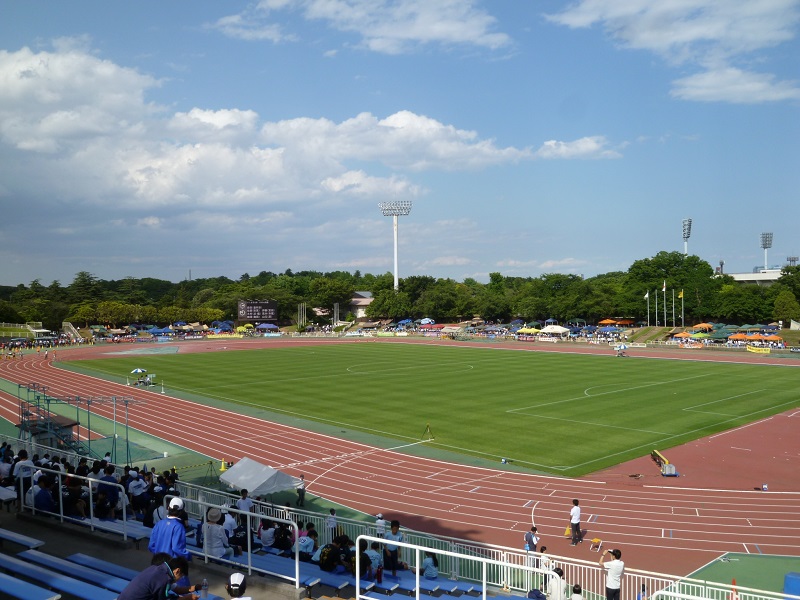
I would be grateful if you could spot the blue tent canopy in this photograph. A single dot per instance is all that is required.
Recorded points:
(266, 326)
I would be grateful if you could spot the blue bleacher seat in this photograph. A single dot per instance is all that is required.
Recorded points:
(16, 588)
(103, 565)
(18, 538)
(93, 576)
(46, 577)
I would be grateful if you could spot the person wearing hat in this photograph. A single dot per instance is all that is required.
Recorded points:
(380, 525)
(615, 569)
(169, 535)
(215, 540)
(237, 586)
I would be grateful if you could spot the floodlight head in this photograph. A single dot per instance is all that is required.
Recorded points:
(395, 208)
(687, 229)
(766, 240)
(792, 260)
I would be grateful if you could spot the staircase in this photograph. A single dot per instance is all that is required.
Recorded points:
(70, 330)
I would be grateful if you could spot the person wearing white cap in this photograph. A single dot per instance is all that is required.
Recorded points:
(237, 586)
(380, 526)
(169, 535)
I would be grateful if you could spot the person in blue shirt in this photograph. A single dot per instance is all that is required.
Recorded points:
(169, 535)
(43, 499)
(391, 551)
(430, 566)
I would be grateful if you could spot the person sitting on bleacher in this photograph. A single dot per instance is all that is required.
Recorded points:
(215, 541)
(331, 558)
(138, 491)
(169, 535)
(266, 533)
(157, 582)
(108, 486)
(307, 545)
(375, 555)
(43, 498)
(23, 470)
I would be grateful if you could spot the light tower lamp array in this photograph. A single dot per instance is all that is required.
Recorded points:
(687, 232)
(766, 243)
(394, 209)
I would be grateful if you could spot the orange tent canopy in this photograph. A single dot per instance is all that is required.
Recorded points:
(682, 334)
(607, 322)
(705, 326)
(738, 336)
(773, 338)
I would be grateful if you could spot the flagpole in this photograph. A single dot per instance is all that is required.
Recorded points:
(673, 308)
(656, 307)
(664, 292)
(682, 322)
(648, 308)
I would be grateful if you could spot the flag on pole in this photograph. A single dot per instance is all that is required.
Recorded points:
(664, 287)
(647, 295)
(680, 294)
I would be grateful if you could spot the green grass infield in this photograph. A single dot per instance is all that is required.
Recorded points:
(565, 414)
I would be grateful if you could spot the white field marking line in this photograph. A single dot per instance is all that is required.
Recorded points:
(737, 448)
(689, 408)
(689, 433)
(533, 509)
(794, 414)
(350, 457)
(746, 549)
(617, 391)
(739, 428)
(455, 485)
(437, 474)
(748, 522)
(727, 491)
(697, 510)
(475, 489)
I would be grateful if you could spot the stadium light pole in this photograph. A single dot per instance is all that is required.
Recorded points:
(766, 244)
(687, 232)
(394, 209)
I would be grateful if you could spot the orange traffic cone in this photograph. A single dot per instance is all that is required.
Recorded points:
(734, 594)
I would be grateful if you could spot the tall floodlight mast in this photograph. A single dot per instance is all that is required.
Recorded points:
(687, 233)
(766, 243)
(394, 209)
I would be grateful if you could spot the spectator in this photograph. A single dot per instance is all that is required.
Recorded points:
(169, 535)
(307, 545)
(364, 562)
(266, 533)
(331, 558)
(108, 484)
(380, 526)
(237, 586)
(375, 556)
(23, 471)
(245, 504)
(430, 566)
(43, 498)
(392, 552)
(158, 581)
(615, 570)
(229, 524)
(137, 487)
(557, 587)
(577, 592)
(215, 541)
(330, 524)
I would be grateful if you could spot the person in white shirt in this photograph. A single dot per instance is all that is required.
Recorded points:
(245, 504)
(215, 542)
(380, 526)
(557, 587)
(575, 522)
(615, 570)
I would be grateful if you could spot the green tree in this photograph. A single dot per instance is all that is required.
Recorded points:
(786, 308)
(389, 304)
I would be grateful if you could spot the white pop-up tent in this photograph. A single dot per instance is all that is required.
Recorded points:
(257, 479)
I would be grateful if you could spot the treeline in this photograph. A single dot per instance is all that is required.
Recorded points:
(88, 300)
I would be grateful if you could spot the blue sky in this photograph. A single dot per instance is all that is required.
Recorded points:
(151, 139)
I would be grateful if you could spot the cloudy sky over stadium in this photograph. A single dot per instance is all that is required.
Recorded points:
(222, 138)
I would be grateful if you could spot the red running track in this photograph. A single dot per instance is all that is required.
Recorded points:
(660, 524)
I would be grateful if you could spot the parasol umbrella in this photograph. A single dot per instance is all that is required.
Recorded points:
(621, 347)
(138, 371)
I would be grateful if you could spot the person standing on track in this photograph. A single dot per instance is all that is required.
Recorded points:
(575, 522)
(615, 570)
